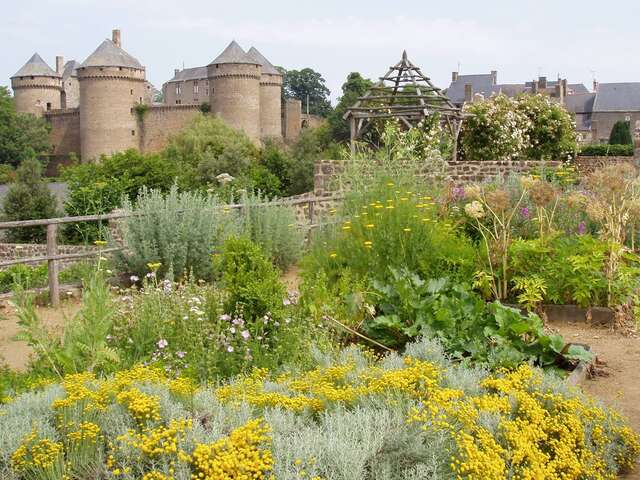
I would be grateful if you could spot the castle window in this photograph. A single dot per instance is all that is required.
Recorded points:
(132, 91)
(133, 133)
(178, 89)
(178, 102)
(195, 87)
(206, 91)
(48, 105)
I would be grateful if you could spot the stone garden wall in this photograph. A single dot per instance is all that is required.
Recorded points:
(11, 251)
(326, 171)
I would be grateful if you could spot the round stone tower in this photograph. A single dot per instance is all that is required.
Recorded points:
(111, 82)
(270, 97)
(36, 87)
(234, 79)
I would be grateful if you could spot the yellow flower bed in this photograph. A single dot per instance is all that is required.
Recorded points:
(512, 427)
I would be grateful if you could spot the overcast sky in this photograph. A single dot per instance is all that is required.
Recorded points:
(519, 38)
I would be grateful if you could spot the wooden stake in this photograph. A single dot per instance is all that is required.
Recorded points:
(52, 250)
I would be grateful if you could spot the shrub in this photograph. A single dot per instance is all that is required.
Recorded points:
(273, 227)
(252, 282)
(494, 130)
(7, 173)
(406, 417)
(621, 133)
(390, 225)
(24, 276)
(551, 133)
(209, 145)
(29, 198)
(178, 231)
(313, 144)
(607, 150)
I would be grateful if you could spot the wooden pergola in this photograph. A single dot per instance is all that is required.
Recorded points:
(406, 94)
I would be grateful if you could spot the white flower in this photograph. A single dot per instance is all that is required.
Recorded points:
(245, 334)
(229, 349)
(162, 343)
(224, 178)
(133, 278)
(225, 318)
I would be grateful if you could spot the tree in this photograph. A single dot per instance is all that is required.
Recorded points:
(29, 198)
(621, 133)
(307, 83)
(22, 136)
(355, 86)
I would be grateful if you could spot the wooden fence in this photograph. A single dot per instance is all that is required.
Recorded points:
(53, 257)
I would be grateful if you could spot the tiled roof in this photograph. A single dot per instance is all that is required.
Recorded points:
(108, 54)
(267, 66)
(233, 54)
(195, 73)
(580, 102)
(36, 67)
(618, 97)
(482, 83)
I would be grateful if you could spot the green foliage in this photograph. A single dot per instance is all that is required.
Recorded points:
(607, 150)
(307, 84)
(529, 126)
(209, 147)
(22, 136)
(29, 198)
(7, 173)
(83, 345)
(23, 276)
(354, 87)
(467, 326)
(621, 133)
(141, 110)
(99, 188)
(390, 225)
(551, 133)
(178, 231)
(272, 227)
(252, 282)
(312, 145)
(573, 271)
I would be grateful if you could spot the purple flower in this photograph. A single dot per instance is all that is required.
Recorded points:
(162, 343)
(245, 334)
(225, 318)
(286, 302)
(525, 212)
(180, 354)
(458, 192)
(582, 228)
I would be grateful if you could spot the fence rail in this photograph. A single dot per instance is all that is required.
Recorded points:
(53, 258)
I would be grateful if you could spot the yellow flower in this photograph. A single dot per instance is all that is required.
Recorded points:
(333, 255)
(99, 243)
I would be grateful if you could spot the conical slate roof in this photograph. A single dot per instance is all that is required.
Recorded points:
(267, 66)
(108, 54)
(234, 54)
(70, 69)
(36, 67)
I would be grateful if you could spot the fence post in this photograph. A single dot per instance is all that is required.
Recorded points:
(311, 204)
(52, 249)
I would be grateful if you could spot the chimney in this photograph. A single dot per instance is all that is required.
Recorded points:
(176, 71)
(595, 86)
(558, 92)
(535, 87)
(59, 64)
(454, 76)
(542, 83)
(468, 93)
(565, 87)
(115, 37)
(494, 77)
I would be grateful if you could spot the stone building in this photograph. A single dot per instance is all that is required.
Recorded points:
(466, 88)
(93, 106)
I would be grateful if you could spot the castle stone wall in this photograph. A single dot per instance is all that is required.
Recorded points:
(71, 94)
(36, 94)
(108, 122)
(292, 123)
(271, 106)
(161, 122)
(235, 96)
(65, 131)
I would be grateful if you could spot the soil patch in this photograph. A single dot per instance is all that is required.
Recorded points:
(621, 387)
(16, 354)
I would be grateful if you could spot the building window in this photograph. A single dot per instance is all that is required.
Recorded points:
(195, 87)
(206, 91)
(133, 133)
(178, 89)
(178, 102)
(48, 105)
(132, 91)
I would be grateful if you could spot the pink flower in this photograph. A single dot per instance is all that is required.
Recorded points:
(180, 354)
(245, 334)
(162, 343)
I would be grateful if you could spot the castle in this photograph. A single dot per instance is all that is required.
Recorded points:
(105, 104)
